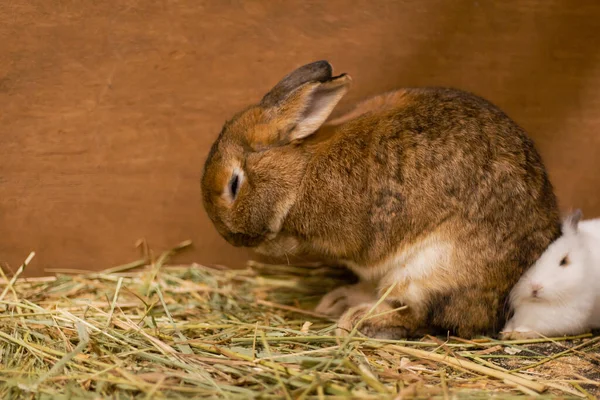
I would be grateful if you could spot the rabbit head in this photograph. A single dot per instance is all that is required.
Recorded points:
(560, 271)
(255, 167)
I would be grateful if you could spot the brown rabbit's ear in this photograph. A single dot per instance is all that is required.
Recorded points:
(307, 108)
(571, 223)
(318, 71)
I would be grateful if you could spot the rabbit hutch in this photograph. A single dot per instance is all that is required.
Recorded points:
(115, 282)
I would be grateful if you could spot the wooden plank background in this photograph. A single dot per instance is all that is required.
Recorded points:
(108, 108)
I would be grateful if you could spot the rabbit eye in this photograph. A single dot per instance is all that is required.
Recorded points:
(565, 261)
(234, 184)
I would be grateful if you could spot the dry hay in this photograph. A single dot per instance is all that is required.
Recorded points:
(208, 332)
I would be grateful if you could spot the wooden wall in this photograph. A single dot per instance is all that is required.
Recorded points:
(108, 108)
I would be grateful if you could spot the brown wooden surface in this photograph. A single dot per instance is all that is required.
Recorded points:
(107, 109)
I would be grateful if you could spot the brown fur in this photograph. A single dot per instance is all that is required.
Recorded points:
(379, 103)
(409, 166)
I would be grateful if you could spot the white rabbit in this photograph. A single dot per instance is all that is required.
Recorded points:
(560, 294)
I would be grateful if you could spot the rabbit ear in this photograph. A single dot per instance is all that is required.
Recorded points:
(571, 223)
(307, 108)
(318, 71)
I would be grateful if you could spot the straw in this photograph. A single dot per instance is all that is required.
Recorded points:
(147, 329)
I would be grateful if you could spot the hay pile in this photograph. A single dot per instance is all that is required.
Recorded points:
(208, 332)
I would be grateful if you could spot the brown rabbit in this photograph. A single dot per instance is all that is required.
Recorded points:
(434, 191)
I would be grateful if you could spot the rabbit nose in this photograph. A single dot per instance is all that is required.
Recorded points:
(535, 289)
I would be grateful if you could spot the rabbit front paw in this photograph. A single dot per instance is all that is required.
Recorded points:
(519, 334)
(336, 302)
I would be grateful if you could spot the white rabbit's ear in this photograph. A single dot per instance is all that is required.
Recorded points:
(304, 110)
(571, 222)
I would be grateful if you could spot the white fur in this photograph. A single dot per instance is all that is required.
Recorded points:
(409, 268)
(412, 269)
(568, 300)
